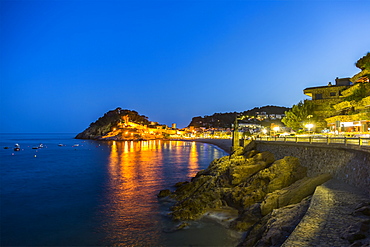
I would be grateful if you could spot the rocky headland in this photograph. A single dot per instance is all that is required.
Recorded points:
(122, 125)
(261, 196)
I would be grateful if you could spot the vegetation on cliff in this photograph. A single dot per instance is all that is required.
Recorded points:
(224, 120)
(364, 65)
(109, 121)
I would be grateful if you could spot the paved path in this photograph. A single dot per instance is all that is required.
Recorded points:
(330, 216)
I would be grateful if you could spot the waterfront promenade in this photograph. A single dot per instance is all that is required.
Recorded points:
(335, 216)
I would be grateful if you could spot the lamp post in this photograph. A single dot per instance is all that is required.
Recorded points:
(309, 127)
(235, 142)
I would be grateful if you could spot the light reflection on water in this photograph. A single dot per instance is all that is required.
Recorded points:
(130, 202)
(99, 193)
(137, 171)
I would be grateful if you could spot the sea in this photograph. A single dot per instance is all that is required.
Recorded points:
(60, 191)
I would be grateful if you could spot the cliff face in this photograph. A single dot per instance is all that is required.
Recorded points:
(251, 182)
(110, 121)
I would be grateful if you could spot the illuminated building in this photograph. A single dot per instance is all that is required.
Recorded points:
(342, 113)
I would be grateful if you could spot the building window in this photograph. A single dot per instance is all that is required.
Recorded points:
(318, 96)
(333, 94)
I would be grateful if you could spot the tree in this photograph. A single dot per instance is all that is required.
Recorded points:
(299, 115)
(364, 65)
(362, 91)
(364, 62)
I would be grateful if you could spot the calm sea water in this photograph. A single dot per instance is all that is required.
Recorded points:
(88, 193)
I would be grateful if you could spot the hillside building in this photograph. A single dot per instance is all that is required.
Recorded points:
(333, 103)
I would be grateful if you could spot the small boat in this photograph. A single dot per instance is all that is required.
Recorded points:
(17, 147)
(39, 146)
(60, 145)
(76, 145)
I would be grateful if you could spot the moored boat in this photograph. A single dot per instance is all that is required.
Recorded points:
(17, 147)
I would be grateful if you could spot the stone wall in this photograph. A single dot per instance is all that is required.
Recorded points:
(349, 165)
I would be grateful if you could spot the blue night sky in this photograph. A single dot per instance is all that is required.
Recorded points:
(65, 63)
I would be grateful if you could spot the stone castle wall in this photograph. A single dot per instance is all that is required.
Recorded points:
(349, 165)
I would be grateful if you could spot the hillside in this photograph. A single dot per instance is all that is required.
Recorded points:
(111, 120)
(224, 120)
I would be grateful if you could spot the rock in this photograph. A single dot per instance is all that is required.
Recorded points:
(293, 193)
(238, 182)
(282, 173)
(178, 227)
(274, 228)
(163, 193)
(217, 167)
(249, 145)
(182, 225)
(250, 154)
(363, 208)
(241, 173)
(237, 152)
(179, 184)
(266, 156)
(247, 218)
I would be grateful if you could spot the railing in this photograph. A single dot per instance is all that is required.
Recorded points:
(358, 141)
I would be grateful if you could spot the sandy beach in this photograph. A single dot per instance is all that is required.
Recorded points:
(224, 144)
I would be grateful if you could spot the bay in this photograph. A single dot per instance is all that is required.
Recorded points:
(87, 193)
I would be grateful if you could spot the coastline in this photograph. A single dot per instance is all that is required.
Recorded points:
(224, 144)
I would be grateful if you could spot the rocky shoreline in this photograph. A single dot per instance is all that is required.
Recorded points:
(268, 197)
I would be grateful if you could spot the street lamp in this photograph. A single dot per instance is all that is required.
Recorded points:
(309, 126)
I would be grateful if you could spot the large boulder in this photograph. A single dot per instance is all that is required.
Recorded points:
(237, 152)
(266, 156)
(283, 173)
(247, 218)
(164, 193)
(249, 145)
(293, 193)
(242, 168)
(241, 173)
(280, 174)
(274, 228)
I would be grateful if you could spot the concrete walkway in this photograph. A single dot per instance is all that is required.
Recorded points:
(331, 219)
